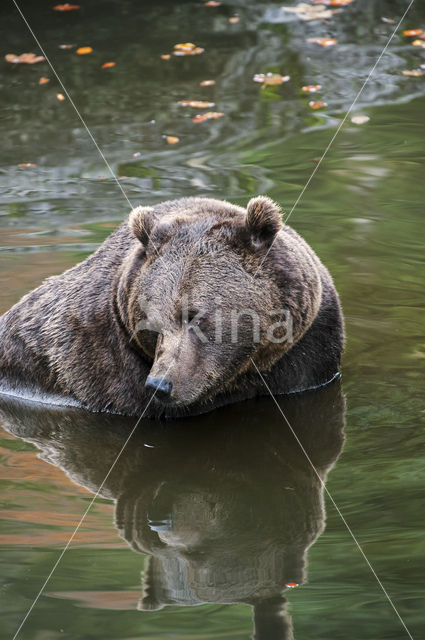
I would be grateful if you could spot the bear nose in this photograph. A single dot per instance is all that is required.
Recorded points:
(161, 387)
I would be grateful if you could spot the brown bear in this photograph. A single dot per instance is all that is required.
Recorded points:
(176, 313)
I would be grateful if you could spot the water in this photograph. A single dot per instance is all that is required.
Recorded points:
(224, 510)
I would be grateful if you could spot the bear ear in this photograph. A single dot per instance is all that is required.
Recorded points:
(263, 220)
(141, 222)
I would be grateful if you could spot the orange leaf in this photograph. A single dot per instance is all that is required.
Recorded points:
(311, 88)
(66, 7)
(414, 73)
(107, 65)
(83, 51)
(60, 97)
(291, 585)
(24, 58)
(324, 42)
(165, 56)
(66, 46)
(27, 165)
(187, 49)
(270, 78)
(172, 139)
(412, 32)
(210, 115)
(196, 104)
(212, 3)
(43, 80)
(317, 104)
(333, 3)
(207, 83)
(234, 19)
(419, 43)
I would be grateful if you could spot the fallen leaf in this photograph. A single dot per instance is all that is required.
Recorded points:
(360, 119)
(83, 51)
(324, 42)
(234, 19)
(414, 73)
(197, 104)
(24, 58)
(207, 83)
(212, 3)
(311, 12)
(172, 139)
(291, 585)
(187, 49)
(333, 3)
(210, 115)
(317, 104)
(27, 165)
(66, 46)
(43, 80)
(165, 56)
(419, 43)
(388, 20)
(60, 97)
(108, 65)
(311, 88)
(412, 32)
(270, 79)
(66, 7)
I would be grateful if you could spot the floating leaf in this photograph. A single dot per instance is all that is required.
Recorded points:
(187, 49)
(27, 165)
(291, 585)
(197, 104)
(270, 79)
(412, 32)
(388, 20)
(360, 119)
(311, 88)
(212, 3)
(333, 3)
(207, 83)
(419, 43)
(60, 97)
(66, 46)
(108, 65)
(311, 12)
(43, 80)
(414, 73)
(234, 19)
(324, 42)
(210, 115)
(66, 7)
(172, 139)
(317, 104)
(83, 51)
(165, 56)
(24, 58)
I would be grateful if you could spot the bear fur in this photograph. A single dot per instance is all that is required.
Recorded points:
(95, 333)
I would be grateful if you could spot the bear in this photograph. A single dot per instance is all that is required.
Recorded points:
(188, 305)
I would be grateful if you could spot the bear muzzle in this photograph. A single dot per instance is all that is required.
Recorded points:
(160, 387)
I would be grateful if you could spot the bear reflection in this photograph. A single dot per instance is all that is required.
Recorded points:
(226, 505)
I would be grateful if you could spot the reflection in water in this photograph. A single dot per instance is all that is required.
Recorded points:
(226, 505)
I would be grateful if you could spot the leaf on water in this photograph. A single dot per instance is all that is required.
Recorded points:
(60, 97)
(317, 104)
(83, 51)
(66, 46)
(108, 65)
(43, 80)
(419, 43)
(413, 73)
(270, 79)
(388, 20)
(24, 58)
(311, 88)
(412, 32)
(197, 104)
(187, 49)
(324, 42)
(212, 3)
(360, 119)
(234, 19)
(291, 585)
(210, 115)
(312, 12)
(172, 139)
(333, 3)
(165, 56)
(207, 83)
(66, 7)
(27, 165)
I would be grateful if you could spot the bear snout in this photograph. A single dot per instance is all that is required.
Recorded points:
(161, 387)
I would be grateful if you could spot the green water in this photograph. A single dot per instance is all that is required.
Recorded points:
(223, 510)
